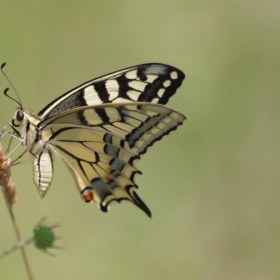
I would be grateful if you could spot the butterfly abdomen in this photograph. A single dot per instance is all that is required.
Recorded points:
(43, 171)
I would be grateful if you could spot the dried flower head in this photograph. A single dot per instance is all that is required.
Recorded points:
(8, 185)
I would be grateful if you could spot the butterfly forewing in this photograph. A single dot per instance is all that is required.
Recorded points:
(151, 82)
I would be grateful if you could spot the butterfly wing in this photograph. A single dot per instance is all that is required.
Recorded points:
(101, 145)
(152, 82)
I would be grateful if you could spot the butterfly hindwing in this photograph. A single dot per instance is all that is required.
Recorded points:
(138, 124)
(152, 82)
(102, 144)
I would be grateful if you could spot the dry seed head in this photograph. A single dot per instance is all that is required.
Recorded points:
(8, 185)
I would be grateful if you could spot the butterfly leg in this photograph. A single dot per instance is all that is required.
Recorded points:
(12, 151)
(3, 133)
(14, 162)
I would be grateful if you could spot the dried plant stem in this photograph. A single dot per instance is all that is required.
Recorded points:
(27, 266)
(8, 187)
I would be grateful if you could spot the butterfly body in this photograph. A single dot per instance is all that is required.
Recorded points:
(101, 129)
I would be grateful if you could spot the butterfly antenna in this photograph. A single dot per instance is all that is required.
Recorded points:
(5, 91)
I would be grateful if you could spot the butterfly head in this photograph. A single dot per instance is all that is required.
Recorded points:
(25, 126)
(20, 122)
(19, 117)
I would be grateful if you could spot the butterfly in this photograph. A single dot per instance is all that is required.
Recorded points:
(101, 129)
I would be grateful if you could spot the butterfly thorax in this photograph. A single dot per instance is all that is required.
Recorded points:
(29, 133)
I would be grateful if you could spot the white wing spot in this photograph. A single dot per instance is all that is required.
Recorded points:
(167, 120)
(174, 75)
(131, 74)
(137, 85)
(133, 94)
(160, 92)
(112, 87)
(167, 83)
(89, 88)
(155, 130)
(161, 125)
(113, 95)
(174, 115)
(155, 100)
(91, 97)
(140, 143)
(146, 136)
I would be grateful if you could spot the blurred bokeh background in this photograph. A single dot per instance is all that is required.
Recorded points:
(212, 185)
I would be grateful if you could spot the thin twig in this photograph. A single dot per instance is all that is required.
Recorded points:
(8, 187)
(14, 223)
(16, 246)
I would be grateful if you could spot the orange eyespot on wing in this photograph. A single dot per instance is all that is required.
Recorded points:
(87, 194)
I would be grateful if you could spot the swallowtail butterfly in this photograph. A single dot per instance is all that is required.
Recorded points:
(100, 129)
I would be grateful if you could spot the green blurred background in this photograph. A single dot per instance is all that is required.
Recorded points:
(212, 186)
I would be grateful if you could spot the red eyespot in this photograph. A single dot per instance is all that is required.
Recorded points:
(87, 195)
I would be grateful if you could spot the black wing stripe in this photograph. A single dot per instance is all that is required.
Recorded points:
(102, 92)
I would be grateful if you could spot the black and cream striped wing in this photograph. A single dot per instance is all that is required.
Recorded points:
(152, 82)
(102, 144)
